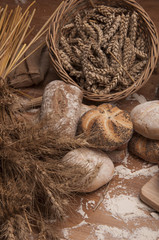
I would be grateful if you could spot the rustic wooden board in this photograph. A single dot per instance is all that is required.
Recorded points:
(150, 192)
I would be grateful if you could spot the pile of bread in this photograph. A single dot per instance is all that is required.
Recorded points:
(109, 130)
(145, 140)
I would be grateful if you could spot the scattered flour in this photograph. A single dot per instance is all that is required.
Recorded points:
(80, 224)
(140, 98)
(125, 160)
(83, 214)
(80, 210)
(126, 173)
(115, 232)
(121, 207)
(143, 233)
(90, 204)
(66, 231)
(125, 207)
(104, 232)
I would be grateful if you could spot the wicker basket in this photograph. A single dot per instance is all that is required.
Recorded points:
(67, 10)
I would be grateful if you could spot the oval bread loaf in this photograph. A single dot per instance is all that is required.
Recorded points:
(106, 126)
(145, 118)
(61, 108)
(145, 148)
(89, 158)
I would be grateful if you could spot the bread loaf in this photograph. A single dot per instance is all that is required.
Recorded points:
(145, 118)
(61, 108)
(106, 126)
(89, 158)
(145, 148)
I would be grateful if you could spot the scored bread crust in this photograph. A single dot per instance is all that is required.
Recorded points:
(107, 126)
(144, 148)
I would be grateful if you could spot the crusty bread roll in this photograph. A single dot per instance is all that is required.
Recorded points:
(144, 148)
(61, 108)
(106, 126)
(89, 158)
(145, 118)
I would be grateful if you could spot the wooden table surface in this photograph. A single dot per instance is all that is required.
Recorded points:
(108, 222)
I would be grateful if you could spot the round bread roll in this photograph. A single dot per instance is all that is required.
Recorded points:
(145, 118)
(89, 158)
(61, 108)
(106, 126)
(145, 148)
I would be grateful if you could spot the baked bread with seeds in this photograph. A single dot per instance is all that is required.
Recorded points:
(145, 148)
(106, 126)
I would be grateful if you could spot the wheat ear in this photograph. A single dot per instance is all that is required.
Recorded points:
(133, 27)
(112, 30)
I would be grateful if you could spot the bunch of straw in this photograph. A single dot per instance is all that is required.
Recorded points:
(14, 29)
(34, 184)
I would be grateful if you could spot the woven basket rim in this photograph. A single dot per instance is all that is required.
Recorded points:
(60, 12)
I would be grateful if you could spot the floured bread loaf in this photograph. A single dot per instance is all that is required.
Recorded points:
(61, 108)
(145, 118)
(106, 126)
(89, 158)
(144, 148)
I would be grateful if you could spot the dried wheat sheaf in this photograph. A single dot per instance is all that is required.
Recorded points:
(104, 49)
(35, 185)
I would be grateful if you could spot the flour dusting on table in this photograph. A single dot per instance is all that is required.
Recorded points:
(142, 233)
(125, 207)
(80, 210)
(126, 173)
(90, 204)
(115, 232)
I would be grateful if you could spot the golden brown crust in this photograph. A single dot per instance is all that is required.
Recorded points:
(107, 126)
(144, 148)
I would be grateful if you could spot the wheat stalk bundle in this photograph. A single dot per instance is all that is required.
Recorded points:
(34, 184)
